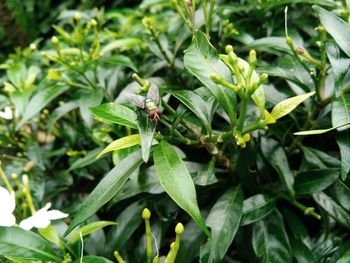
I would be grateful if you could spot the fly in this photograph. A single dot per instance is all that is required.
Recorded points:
(149, 104)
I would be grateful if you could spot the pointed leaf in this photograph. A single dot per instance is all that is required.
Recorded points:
(286, 106)
(333, 209)
(116, 113)
(146, 130)
(341, 111)
(257, 207)
(195, 104)
(120, 60)
(313, 181)
(39, 101)
(277, 157)
(88, 229)
(177, 182)
(313, 132)
(223, 219)
(121, 143)
(336, 27)
(270, 240)
(85, 161)
(343, 141)
(22, 244)
(107, 188)
(202, 59)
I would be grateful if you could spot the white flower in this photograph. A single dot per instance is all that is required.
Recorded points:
(7, 206)
(42, 218)
(6, 114)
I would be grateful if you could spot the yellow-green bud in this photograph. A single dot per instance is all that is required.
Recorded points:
(32, 47)
(14, 176)
(232, 58)
(172, 246)
(93, 22)
(229, 49)
(215, 78)
(156, 259)
(263, 77)
(54, 40)
(146, 214)
(25, 180)
(252, 57)
(179, 229)
(289, 41)
(77, 16)
(148, 22)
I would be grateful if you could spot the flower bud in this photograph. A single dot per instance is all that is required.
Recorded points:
(289, 41)
(229, 49)
(146, 214)
(33, 47)
(14, 176)
(215, 78)
(93, 22)
(252, 57)
(54, 40)
(179, 229)
(77, 16)
(25, 180)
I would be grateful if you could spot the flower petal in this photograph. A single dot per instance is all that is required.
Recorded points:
(7, 220)
(7, 204)
(55, 214)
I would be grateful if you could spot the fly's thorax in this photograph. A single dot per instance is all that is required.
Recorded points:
(150, 105)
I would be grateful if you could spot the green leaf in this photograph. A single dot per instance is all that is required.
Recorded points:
(107, 188)
(321, 131)
(88, 100)
(128, 221)
(333, 209)
(343, 141)
(201, 59)
(146, 130)
(50, 234)
(270, 240)
(257, 207)
(345, 258)
(60, 112)
(116, 113)
(22, 244)
(121, 143)
(223, 219)
(313, 181)
(120, 60)
(319, 159)
(122, 44)
(340, 193)
(286, 106)
(336, 27)
(89, 228)
(39, 101)
(177, 182)
(301, 252)
(341, 111)
(277, 157)
(85, 161)
(93, 259)
(196, 104)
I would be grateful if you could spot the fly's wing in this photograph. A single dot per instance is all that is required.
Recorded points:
(153, 94)
(138, 100)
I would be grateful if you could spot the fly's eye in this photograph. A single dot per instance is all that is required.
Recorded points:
(158, 112)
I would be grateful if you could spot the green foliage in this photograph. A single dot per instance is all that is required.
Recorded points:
(240, 86)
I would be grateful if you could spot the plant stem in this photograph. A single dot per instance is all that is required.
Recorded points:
(307, 210)
(160, 47)
(242, 113)
(4, 178)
